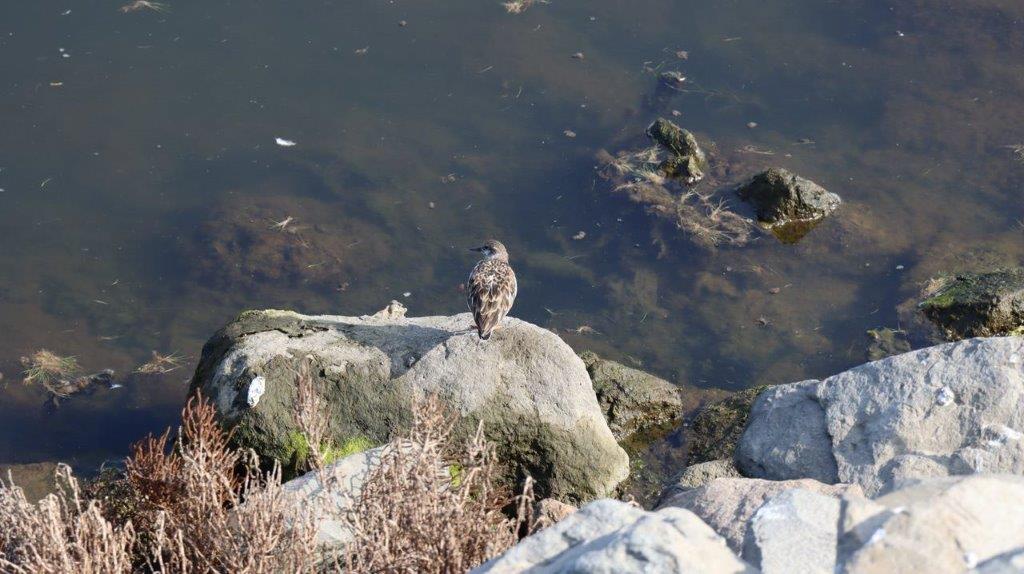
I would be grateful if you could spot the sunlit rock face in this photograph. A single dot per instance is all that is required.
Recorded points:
(529, 388)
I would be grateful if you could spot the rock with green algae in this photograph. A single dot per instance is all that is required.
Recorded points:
(781, 197)
(687, 161)
(978, 304)
(718, 427)
(631, 400)
(532, 392)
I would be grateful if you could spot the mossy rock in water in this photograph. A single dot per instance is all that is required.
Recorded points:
(688, 162)
(781, 197)
(978, 304)
(718, 427)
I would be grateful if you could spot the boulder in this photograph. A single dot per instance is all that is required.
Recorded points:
(978, 304)
(612, 536)
(687, 160)
(718, 426)
(727, 504)
(945, 525)
(631, 400)
(697, 475)
(951, 409)
(794, 531)
(781, 197)
(528, 387)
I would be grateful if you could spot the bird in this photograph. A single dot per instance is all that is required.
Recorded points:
(491, 288)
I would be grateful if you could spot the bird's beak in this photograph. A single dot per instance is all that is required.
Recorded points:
(476, 248)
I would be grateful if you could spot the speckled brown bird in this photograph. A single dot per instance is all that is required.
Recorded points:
(492, 288)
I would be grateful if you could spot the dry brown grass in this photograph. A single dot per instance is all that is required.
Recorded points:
(432, 507)
(61, 533)
(192, 504)
(50, 370)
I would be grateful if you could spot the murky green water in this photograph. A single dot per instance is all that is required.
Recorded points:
(141, 179)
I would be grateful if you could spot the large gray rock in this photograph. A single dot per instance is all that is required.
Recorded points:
(795, 531)
(978, 304)
(945, 525)
(611, 536)
(687, 160)
(631, 400)
(952, 409)
(727, 504)
(532, 392)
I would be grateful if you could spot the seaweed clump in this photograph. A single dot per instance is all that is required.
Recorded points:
(662, 178)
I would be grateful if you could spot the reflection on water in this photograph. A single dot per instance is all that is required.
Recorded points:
(145, 202)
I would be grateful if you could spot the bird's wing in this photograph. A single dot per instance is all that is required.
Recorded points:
(492, 290)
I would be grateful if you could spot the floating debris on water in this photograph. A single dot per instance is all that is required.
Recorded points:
(580, 235)
(45, 368)
(751, 125)
(160, 364)
(284, 142)
(578, 56)
(569, 133)
(145, 5)
(362, 51)
(520, 6)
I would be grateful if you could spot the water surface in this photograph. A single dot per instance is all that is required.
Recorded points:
(141, 180)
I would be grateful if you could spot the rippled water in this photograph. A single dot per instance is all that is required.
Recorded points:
(141, 179)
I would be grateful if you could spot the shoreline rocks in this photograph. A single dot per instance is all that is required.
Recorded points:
(631, 400)
(530, 389)
(952, 409)
(978, 304)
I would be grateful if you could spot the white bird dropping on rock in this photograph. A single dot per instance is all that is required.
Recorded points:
(256, 388)
(284, 143)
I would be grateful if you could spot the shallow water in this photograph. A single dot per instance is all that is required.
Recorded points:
(141, 180)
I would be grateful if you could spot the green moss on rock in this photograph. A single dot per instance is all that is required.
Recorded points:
(718, 426)
(978, 304)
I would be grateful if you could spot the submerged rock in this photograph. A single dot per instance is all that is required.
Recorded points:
(698, 475)
(782, 198)
(978, 304)
(612, 536)
(687, 161)
(886, 342)
(952, 409)
(631, 400)
(718, 426)
(530, 389)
